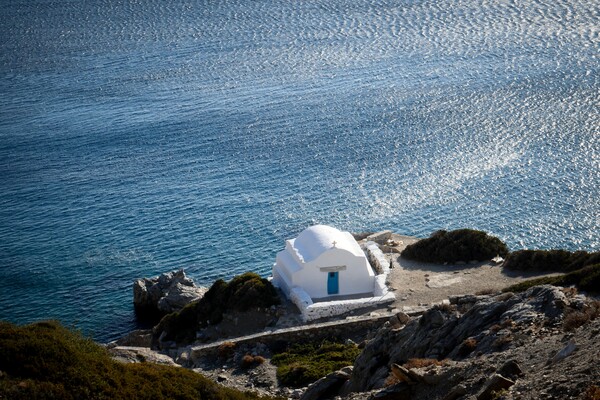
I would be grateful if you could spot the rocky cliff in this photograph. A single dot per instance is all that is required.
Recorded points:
(538, 344)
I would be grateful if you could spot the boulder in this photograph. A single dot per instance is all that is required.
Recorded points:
(510, 369)
(130, 354)
(137, 338)
(327, 386)
(169, 292)
(493, 385)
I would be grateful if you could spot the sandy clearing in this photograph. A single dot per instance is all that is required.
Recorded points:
(415, 283)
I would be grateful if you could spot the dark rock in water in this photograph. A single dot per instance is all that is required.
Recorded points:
(155, 297)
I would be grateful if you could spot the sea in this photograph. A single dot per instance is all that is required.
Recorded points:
(143, 136)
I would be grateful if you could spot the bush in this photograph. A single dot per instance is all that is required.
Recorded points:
(303, 364)
(242, 293)
(249, 361)
(586, 278)
(45, 361)
(550, 260)
(458, 245)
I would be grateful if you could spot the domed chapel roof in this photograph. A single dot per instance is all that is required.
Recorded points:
(315, 240)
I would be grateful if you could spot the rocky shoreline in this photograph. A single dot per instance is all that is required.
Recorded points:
(541, 343)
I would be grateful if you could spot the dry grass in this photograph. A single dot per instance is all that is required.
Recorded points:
(250, 361)
(574, 318)
(422, 363)
(486, 291)
(592, 393)
(226, 350)
(467, 346)
(502, 341)
(447, 308)
(391, 380)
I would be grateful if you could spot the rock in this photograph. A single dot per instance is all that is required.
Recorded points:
(380, 237)
(158, 296)
(137, 338)
(456, 393)
(130, 354)
(394, 322)
(403, 374)
(183, 357)
(403, 318)
(400, 391)
(327, 386)
(495, 383)
(435, 318)
(221, 378)
(565, 352)
(510, 369)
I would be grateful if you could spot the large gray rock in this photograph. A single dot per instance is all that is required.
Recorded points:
(169, 292)
(129, 354)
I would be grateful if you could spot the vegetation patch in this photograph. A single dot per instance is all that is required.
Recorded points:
(242, 293)
(458, 245)
(467, 347)
(47, 361)
(250, 361)
(586, 278)
(423, 362)
(550, 260)
(592, 393)
(576, 318)
(302, 364)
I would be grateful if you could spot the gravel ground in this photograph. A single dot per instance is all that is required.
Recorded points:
(416, 283)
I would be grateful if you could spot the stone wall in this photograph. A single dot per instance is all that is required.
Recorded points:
(311, 311)
(377, 259)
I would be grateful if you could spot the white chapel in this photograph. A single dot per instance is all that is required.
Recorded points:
(325, 263)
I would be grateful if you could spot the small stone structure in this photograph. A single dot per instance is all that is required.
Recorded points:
(324, 272)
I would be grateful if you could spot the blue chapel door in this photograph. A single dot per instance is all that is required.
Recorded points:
(333, 286)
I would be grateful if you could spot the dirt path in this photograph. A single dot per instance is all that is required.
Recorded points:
(415, 283)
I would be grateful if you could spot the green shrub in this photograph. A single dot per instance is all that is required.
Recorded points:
(550, 260)
(303, 364)
(586, 278)
(458, 245)
(242, 293)
(45, 361)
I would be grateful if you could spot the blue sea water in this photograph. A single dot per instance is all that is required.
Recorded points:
(138, 137)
